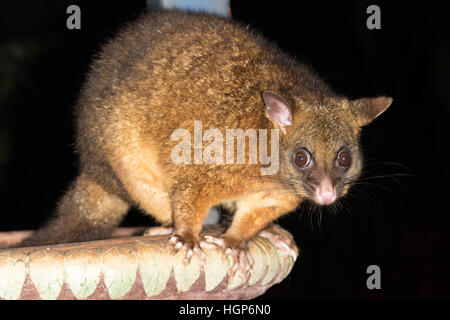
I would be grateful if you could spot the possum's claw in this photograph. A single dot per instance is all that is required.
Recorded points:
(242, 260)
(177, 243)
(281, 239)
(215, 241)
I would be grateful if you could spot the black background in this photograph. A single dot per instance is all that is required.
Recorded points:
(398, 219)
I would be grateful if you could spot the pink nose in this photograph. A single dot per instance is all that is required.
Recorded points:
(325, 193)
(326, 197)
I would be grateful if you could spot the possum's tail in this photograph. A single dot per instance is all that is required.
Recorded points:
(85, 212)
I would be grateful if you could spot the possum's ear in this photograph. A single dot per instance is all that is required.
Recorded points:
(278, 110)
(367, 109)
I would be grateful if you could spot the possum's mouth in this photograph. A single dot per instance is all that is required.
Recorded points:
(326, 197)
(324, 193)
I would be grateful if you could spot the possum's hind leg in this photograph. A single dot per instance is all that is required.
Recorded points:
(144, 182)
(85, 212)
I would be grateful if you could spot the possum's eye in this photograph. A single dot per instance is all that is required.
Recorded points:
(302, 158)
(344, 159)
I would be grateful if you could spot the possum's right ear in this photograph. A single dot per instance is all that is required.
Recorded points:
(367, 109)
(278, 110)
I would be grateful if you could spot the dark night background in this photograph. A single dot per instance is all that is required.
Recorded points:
(398, 219)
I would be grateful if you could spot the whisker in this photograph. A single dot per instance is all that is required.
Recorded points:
(385, 164)
(360, 195)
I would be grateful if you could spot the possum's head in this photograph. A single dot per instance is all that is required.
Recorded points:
(319, 148)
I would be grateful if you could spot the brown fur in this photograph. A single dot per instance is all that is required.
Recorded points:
(161, 73)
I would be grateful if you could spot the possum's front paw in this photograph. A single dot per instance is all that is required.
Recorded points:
(187, 242)
(236, 249)
(281, 239)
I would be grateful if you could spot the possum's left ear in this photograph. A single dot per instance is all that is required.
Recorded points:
(367, 109)
(278, 110)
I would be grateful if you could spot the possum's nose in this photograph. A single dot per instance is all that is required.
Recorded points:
(325, 192)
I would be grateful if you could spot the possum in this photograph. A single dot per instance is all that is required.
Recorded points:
(153, 123)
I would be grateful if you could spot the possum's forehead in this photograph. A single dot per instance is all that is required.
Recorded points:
(325, 131)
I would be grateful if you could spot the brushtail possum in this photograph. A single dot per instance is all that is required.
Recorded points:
(174, 70)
